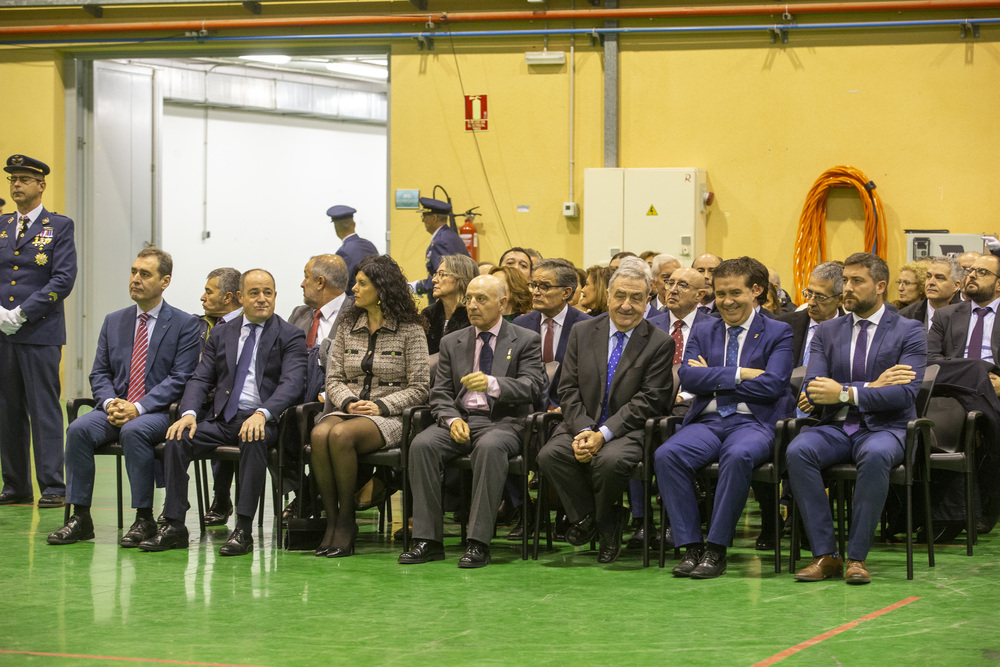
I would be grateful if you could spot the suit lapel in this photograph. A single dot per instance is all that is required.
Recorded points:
(267, 339)
(163, 323)
(602, 330)
(840, 362)
(232, 332)
(126, 332)
(717, 348)
(752, 339)
(887, 322)
(571, 317)
(960, 328)
(505, 344)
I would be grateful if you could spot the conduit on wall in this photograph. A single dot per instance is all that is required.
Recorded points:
(440, 19)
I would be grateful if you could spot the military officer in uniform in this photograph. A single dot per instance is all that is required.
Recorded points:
(353, 248)
(37, 272)
(444, 241)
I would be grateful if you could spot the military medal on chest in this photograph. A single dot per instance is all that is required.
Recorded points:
(41, 259)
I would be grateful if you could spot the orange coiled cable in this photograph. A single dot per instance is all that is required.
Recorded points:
(810, 244)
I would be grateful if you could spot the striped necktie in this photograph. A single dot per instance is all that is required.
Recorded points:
(137, 369)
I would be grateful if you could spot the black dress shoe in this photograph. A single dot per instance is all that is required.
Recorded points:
(218, 514)
(764, 541)
(986, 524)
(582, 532)
(635, 541)
(610, 547)
(477, 555)
(161, 520)
(668, 537)
(423, 551)
(240, 543)
(517, 534)
(167, 537)
(50, 500)
(690, 561)
(711, 565)
(76, 529)
(14, 499)
(561, 526)
(142, 529)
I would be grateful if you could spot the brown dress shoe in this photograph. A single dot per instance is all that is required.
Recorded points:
(821, 568)
(857, 573)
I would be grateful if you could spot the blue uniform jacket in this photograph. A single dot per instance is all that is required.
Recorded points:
(38, 274)
(170, 359)
(352, 251)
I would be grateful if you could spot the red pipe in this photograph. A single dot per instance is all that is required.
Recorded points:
(474, 17)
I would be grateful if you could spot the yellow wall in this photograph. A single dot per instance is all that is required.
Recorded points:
(33, 116)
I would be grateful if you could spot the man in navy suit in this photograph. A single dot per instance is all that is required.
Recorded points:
(444, 241)
(257, 366)
(353, 248)
(738, 368)
(37, 272)
(705, 265)
(865, 369)
(145, 355)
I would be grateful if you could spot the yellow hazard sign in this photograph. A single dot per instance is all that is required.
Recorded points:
(652, 210)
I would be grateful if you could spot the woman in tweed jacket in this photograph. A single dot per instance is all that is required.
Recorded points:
(377, 367)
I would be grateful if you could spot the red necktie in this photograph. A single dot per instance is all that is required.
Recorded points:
(547, 354)
(678, 342)
(311, 338)
(137, 370)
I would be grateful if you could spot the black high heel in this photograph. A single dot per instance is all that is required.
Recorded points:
(346, 551)
(321, 553)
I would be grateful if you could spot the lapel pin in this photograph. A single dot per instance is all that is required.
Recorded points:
(756, 335)
(509, 350)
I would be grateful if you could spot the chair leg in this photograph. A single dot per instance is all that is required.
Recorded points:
(199, 472)
(971, 533)
(260, 506)
(407, 501)
(541, 509)
(928, 520)
(909, 533)
(793, 547)
(525, 506)
(778, 526)
(121, 511)
(647, 519)
(841, 522)
(204, 477)
(663, 536)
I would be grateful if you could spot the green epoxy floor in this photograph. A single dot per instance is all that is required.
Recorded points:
(93, 602)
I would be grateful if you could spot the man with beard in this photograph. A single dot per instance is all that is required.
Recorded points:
(865, 369)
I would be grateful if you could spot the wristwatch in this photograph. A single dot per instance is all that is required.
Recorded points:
(845, 395)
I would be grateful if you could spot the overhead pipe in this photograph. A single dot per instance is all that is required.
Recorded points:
(444, 18)
(766, 27)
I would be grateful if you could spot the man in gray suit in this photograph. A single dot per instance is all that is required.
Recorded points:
(324, 296)
(617, 373)
(488, 377)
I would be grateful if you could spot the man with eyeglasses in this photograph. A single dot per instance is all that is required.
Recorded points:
(553, 282)
(663, 267)
(971, 330)
(823, 297)
(942, 287)
(37, 273)
(444, 241)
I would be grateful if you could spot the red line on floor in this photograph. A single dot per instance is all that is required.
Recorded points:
(831, 633)
(111, 657)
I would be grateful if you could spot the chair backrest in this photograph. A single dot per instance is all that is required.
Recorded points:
(926, 388)
(798, 378)
(949, 419)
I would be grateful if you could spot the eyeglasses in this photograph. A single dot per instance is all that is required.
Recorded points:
(679, 284)
(808, 295)
(441, 275)
(981, 273)
(22, 179)
(544, 287)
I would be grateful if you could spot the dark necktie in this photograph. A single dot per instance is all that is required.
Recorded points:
(678, 342)
(311, 338)
(727, 407)
(242, 369)
(137, 369)
(23, 228)
(547, 354)
(486, 353)
(976, 340)
(853, 422)
(616, 355)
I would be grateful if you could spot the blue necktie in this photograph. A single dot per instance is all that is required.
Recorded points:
(808, 343)
(616, 355)
(853, 422)
(726, 407)
(486, 353)
(242, 369)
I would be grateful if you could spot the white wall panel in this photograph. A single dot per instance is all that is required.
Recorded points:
(262, 190)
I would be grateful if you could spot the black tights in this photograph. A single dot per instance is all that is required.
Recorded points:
(336, 445)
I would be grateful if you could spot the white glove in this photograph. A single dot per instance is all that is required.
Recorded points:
(413, 285)
(991, 243)
(11, 321)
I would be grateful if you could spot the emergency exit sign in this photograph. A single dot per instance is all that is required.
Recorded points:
(475, 113)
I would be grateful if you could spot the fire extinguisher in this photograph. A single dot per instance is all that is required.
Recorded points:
(469, 234)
